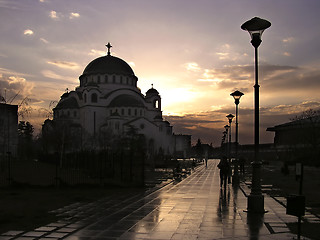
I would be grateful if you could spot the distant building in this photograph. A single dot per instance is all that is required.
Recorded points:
(8, 129)
(108, 105)
(298, 139)
(182, 145)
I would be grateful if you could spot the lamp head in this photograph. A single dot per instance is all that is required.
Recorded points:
(237, 95)
(230, 117)
(255, 27)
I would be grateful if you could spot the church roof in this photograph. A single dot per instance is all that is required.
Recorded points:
(152, 91)
(126, 101)
(68, 103)
(108, 64)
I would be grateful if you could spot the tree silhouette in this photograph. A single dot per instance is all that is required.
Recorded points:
(25, 140)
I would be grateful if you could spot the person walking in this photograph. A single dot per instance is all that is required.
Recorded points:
(206, 158)
(224, 167)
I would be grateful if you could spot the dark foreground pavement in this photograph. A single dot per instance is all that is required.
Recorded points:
(195, 208)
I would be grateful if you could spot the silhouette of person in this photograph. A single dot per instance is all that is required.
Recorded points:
(242, 163)
(224, 171)
(206, 158)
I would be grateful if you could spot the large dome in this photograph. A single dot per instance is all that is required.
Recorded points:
(108, 64)
(126, 101)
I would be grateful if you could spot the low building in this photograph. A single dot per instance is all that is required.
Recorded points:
(298, 139)
(182, 145)
(8, 130)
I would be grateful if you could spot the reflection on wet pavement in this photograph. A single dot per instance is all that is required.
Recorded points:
(195, 208)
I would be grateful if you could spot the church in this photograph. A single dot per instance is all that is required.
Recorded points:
(108, 105)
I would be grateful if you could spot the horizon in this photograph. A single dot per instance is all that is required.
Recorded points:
(194, 53)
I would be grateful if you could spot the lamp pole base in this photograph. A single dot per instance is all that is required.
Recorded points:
(235, 179)
(255, 204)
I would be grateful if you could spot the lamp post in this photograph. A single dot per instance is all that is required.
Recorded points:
(230, 117)
(226, 127)
(255, 203)
(236, 95)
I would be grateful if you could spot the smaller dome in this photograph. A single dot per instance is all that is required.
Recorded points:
(68, 103)
(65, 95)
(152, 91)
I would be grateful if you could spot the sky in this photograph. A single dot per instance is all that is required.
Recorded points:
(193, 52)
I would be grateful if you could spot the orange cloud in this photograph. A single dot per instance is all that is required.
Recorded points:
(64, 64)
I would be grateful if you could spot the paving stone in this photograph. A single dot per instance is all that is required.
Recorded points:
(33, 234)
(12, 233)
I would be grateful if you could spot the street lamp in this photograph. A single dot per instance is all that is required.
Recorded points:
(236, 95)
(230, 117)
(255, 27)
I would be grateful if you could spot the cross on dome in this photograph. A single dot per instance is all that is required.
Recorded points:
(108, 46)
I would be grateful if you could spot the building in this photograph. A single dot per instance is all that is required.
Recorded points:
(108, 105)
(298, 139)
(182, 145)
(8, 130)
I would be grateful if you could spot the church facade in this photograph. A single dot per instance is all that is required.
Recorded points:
(108, 105)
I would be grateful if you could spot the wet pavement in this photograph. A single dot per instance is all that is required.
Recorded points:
(195, 208)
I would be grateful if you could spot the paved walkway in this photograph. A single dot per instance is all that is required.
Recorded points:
(195, 208)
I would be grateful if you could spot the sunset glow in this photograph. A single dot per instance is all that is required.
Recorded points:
(193, 52)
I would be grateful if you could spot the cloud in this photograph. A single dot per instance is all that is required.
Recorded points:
(192, 66)
(291, 79)
(54, 15)
(74, 15)
(7, 72)
(209, 125)
(28, 32)
(64, 64)
(44, 40)
(15, 87)
(55, 76)
(288, 40)
(57, 15)
(95, 52)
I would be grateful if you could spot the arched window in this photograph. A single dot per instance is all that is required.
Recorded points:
(106, 78)
(156, 104)
(98, 79)
(94, 98)
(114, 79)
(85, 97)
